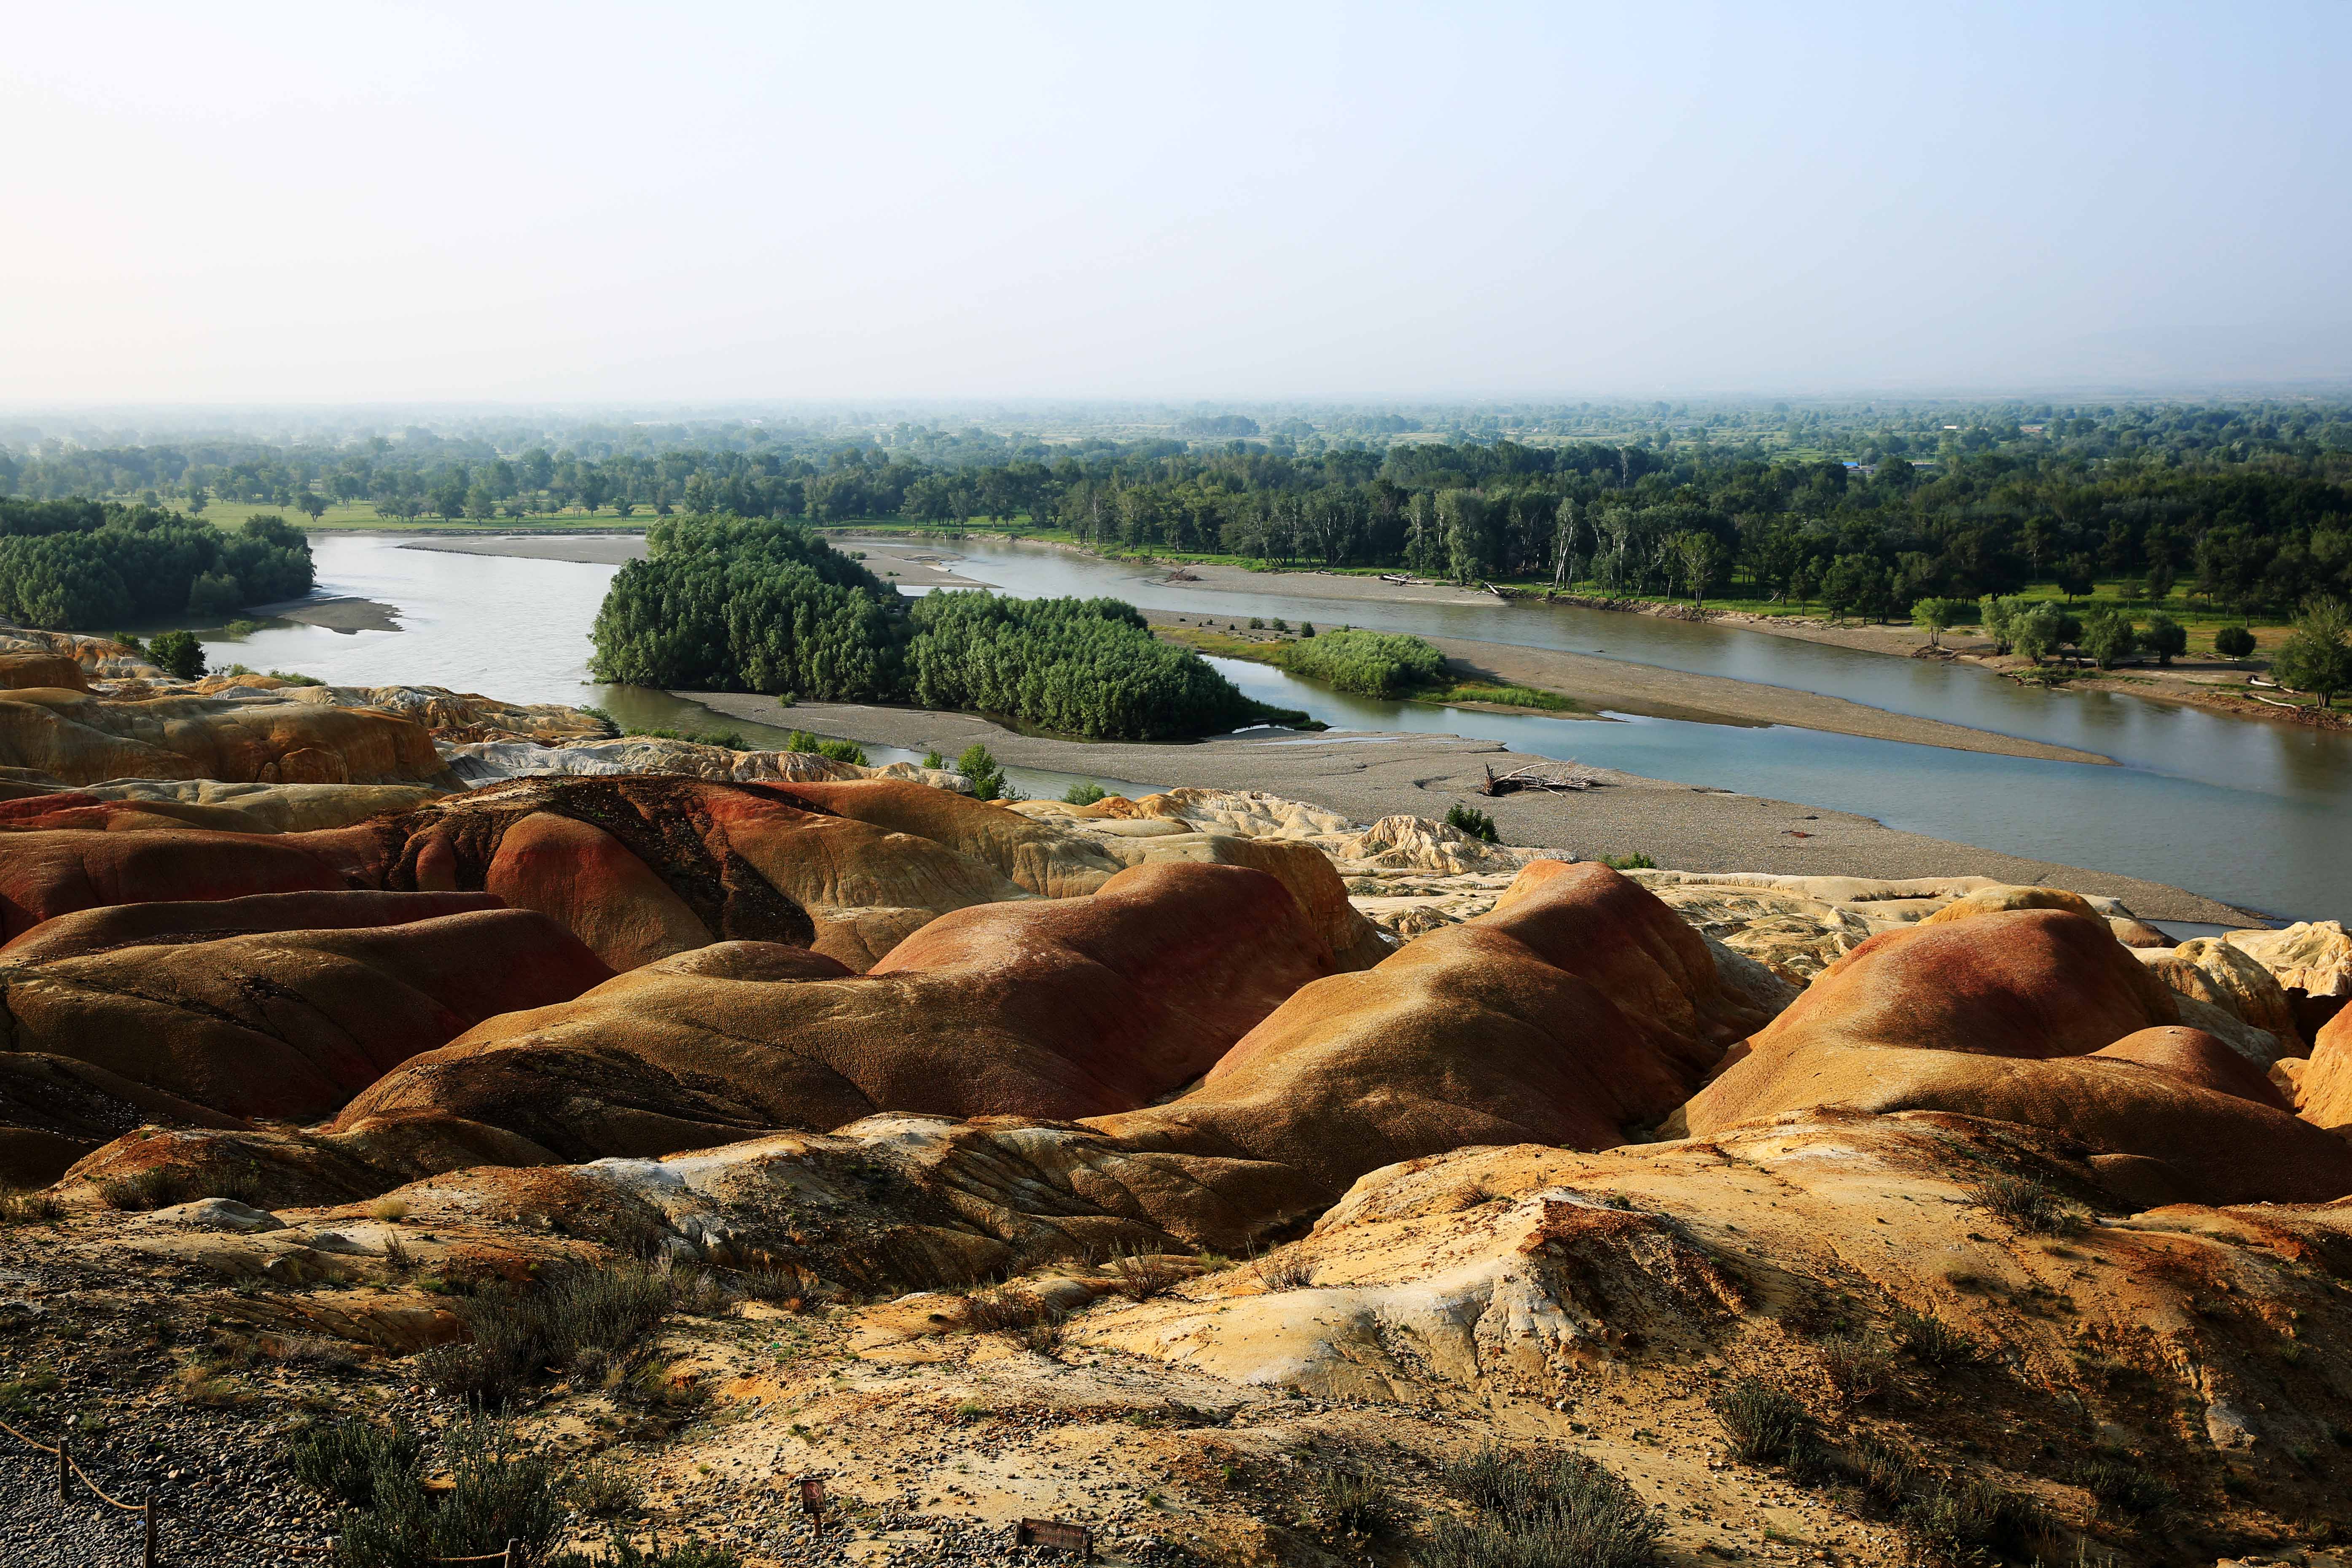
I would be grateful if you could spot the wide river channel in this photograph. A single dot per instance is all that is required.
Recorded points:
(2257, 814)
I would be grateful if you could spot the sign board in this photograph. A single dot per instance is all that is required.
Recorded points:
(812, 1495)
(1055, 1536)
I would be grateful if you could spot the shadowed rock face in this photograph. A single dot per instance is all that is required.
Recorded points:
(1039, 1008)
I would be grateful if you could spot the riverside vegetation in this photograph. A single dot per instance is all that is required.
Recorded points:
(86, 564)
(739, 604)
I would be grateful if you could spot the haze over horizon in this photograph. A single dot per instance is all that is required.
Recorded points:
(391, 203)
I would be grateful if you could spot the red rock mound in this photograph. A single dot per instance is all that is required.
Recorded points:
(1036, 1008)
(2196, 1057)
(291, 1023)
(1579, 1008)
(124, 925)
(2038, 1017)
(2324, 1096)
(2021, 982)
(44, 874)
(73, 737)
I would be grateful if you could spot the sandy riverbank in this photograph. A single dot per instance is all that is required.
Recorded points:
(340, 614)
(906, 566)
(1600, 682)
(1370, 776)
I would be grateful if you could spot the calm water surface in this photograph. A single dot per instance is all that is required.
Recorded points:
(2257, 814)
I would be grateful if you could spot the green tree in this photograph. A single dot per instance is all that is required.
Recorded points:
(311, 504)
(2313, 657)
(2107, 637)
(2076, 576)
(1997, 615)
(1462, 517)
(1937, 617)
(2233, 642)
(2040, 632)
(178, 655)
(1696, 554)
(1853, 584)
(2164, 637)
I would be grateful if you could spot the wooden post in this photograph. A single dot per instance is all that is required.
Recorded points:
(514, 1555)
(149, 1561)
(65, 1474)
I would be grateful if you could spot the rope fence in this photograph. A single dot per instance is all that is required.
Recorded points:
(511, 1556)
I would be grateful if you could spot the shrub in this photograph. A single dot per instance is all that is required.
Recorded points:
(1307, 628)
(1930, 1339)
(981, 770)
(498, 1493)
(625, 1553)
(602, 1488)
(1351, 1500)
(159, 1186)
(1639, 860)
(989, 1312)
(341, 1459)
(27, 1208)
(1766, 1426)
(1469, 819)
(1888, 1475)
(2028, 1205)
(1538, 1509)
(2233, 642)
(802, 741)
(932, 759)
(1960, 1523)
(1859, 1366)
(1372, 664)
(517, 1334)
(2118, 1482)
(178, 655)
(1288, 1269)
(1084, 794)
(1144, 1275)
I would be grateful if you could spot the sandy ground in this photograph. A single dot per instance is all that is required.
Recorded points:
(596, 549)
(1369, 776)
(341, 615)
(1615, 685)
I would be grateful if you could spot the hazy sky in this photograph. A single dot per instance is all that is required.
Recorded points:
(356, 202)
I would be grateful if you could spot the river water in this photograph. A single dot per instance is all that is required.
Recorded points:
(2257, 814)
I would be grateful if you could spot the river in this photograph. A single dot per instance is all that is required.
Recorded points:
(2252, 813)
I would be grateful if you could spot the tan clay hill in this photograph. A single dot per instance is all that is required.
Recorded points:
(1897, 1221)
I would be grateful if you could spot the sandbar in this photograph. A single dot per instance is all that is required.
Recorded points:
(1367, 777)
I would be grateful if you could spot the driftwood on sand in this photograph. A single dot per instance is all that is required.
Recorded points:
(1562, 778)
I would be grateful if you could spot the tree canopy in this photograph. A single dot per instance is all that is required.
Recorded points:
(738, 605)
(87, 566)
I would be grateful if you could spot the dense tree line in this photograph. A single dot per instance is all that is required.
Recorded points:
(737, 605)
(91, 566)
(1864, 507)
